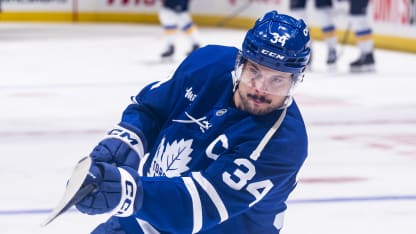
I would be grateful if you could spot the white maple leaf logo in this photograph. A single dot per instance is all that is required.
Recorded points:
(171, 159)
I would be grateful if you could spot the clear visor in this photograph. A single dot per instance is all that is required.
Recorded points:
(266, 80)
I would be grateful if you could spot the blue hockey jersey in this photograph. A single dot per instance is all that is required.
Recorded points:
(210, 167)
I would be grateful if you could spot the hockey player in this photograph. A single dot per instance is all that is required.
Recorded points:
(363, 35)
(325, 11)
(174, 15)
(217, 146)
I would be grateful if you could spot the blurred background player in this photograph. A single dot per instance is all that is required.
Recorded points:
(325, 10)
(174, 15)
(363, 35)
(360, 25)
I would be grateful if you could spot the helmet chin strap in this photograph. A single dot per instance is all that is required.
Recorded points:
(236, 79)
(289, 98)
(287, 102)
(238, 69)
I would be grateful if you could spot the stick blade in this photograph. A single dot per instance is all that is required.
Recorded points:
(73, 192)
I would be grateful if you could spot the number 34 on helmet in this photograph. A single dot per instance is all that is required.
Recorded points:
(279, 42)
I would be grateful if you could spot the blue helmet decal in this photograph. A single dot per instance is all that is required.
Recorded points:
(279, 42)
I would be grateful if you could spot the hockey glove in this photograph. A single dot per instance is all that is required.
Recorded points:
(116, 225)
(118, 191)
(121, 147)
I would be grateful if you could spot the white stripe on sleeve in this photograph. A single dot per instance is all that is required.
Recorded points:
(146, 227)
(212, 193)
(196, 203)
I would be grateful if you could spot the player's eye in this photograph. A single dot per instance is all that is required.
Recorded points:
(253, 70)
(275, 80)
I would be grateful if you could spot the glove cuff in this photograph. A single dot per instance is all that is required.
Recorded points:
(129, 192)
(129, 137)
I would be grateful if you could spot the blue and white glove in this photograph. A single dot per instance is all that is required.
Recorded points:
(122, 146)
(118, 191)
(116, 225)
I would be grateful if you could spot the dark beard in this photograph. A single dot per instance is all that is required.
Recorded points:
(259, 98)
(245, 105)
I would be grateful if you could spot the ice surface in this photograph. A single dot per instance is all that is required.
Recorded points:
(63, 85)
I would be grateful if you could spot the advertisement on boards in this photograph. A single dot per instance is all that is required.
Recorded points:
(128, 5)
(400, 12)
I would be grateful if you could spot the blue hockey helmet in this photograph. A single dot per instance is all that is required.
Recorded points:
(279, 42)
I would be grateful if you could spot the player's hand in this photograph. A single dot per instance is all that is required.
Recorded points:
(118, 191)
(122, 147)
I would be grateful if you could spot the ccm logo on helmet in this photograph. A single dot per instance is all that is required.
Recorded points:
(272, 54)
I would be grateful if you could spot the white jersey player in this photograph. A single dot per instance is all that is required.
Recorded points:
(363, 34)
(324, 8)
(174, 16)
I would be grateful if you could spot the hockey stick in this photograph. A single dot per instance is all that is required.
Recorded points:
(73, 193)
(235, 13)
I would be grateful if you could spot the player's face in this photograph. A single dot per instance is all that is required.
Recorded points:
(262, 90)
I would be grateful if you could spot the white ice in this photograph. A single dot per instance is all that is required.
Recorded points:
(63, 85)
